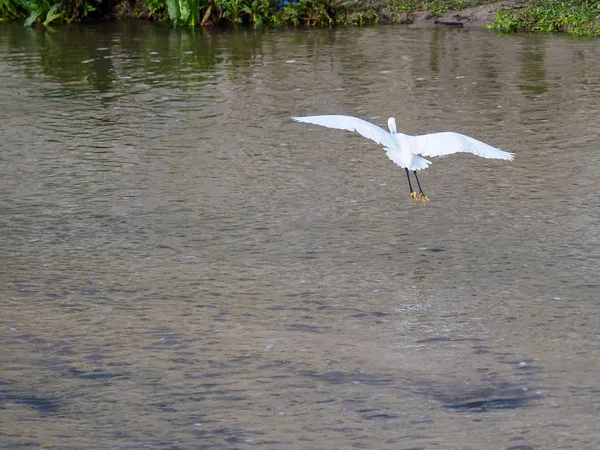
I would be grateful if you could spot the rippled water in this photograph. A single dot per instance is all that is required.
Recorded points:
(185, 267)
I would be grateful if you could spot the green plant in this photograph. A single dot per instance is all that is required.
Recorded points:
(437, 7)
(578, 17)
(42, 9)
(54, 13)
(310, 12)
(317, 12)
(290, 13)
(155, 7)
(258, 10)
(232, 10)
(504, 23)
(362, 18)
(46, 11)
(86, 7)
(9, 9)
(184, 12)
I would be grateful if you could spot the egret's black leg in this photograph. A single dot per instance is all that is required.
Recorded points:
(417, 178)
(413, 194)
(422, 197)
(409, 184)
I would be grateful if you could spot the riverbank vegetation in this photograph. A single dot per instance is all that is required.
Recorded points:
(213, 12)
(578, 17)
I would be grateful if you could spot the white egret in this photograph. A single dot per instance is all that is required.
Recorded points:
(408, 151)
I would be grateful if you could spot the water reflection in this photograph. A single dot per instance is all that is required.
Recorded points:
(185, 265)
(533, 69)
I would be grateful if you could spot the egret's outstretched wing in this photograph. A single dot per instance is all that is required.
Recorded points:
(350, 123)
(439, 144)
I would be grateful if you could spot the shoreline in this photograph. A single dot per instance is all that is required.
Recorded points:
(472, 13)
(576, 17)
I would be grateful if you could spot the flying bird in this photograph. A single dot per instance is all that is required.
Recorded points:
(408, 151)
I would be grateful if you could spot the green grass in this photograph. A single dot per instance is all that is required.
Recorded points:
(577, 17)
(438, 7)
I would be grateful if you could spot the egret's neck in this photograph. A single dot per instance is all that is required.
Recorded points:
(392, 125)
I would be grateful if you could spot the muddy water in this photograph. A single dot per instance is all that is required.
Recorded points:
(184, 267)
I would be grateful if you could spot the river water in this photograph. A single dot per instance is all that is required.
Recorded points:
(184, 267)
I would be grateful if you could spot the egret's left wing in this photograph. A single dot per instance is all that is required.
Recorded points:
(349, 123)
(439, 144)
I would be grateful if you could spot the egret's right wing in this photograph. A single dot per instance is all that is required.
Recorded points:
(439, 144)
(350, 123)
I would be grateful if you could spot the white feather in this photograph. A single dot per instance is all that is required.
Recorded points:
(404, 149)
(350, 123)
(417, 163)
(439, 144)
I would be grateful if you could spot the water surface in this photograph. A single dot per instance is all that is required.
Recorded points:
(185, 267)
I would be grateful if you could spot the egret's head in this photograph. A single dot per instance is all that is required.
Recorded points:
(392, 125)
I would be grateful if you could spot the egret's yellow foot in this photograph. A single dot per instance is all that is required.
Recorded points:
(413, 197)
(423, 198)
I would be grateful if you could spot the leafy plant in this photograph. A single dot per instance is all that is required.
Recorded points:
(579, 17)
(184, 12)
(154, 7)
(258, 10)
(290, 13)
(232, 10)
(46, 11)
(363, 18)
(42, 9)
(311, 12)
(54, 13)
(86, 7)
(437, 7)
(317, 12)
(9, 9)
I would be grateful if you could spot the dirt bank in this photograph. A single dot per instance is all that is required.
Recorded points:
(475, 16)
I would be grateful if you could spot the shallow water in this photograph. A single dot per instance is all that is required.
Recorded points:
(185, 267)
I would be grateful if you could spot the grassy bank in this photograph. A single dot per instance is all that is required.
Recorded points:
(578, 17)
(213, 12)
(573, 16)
